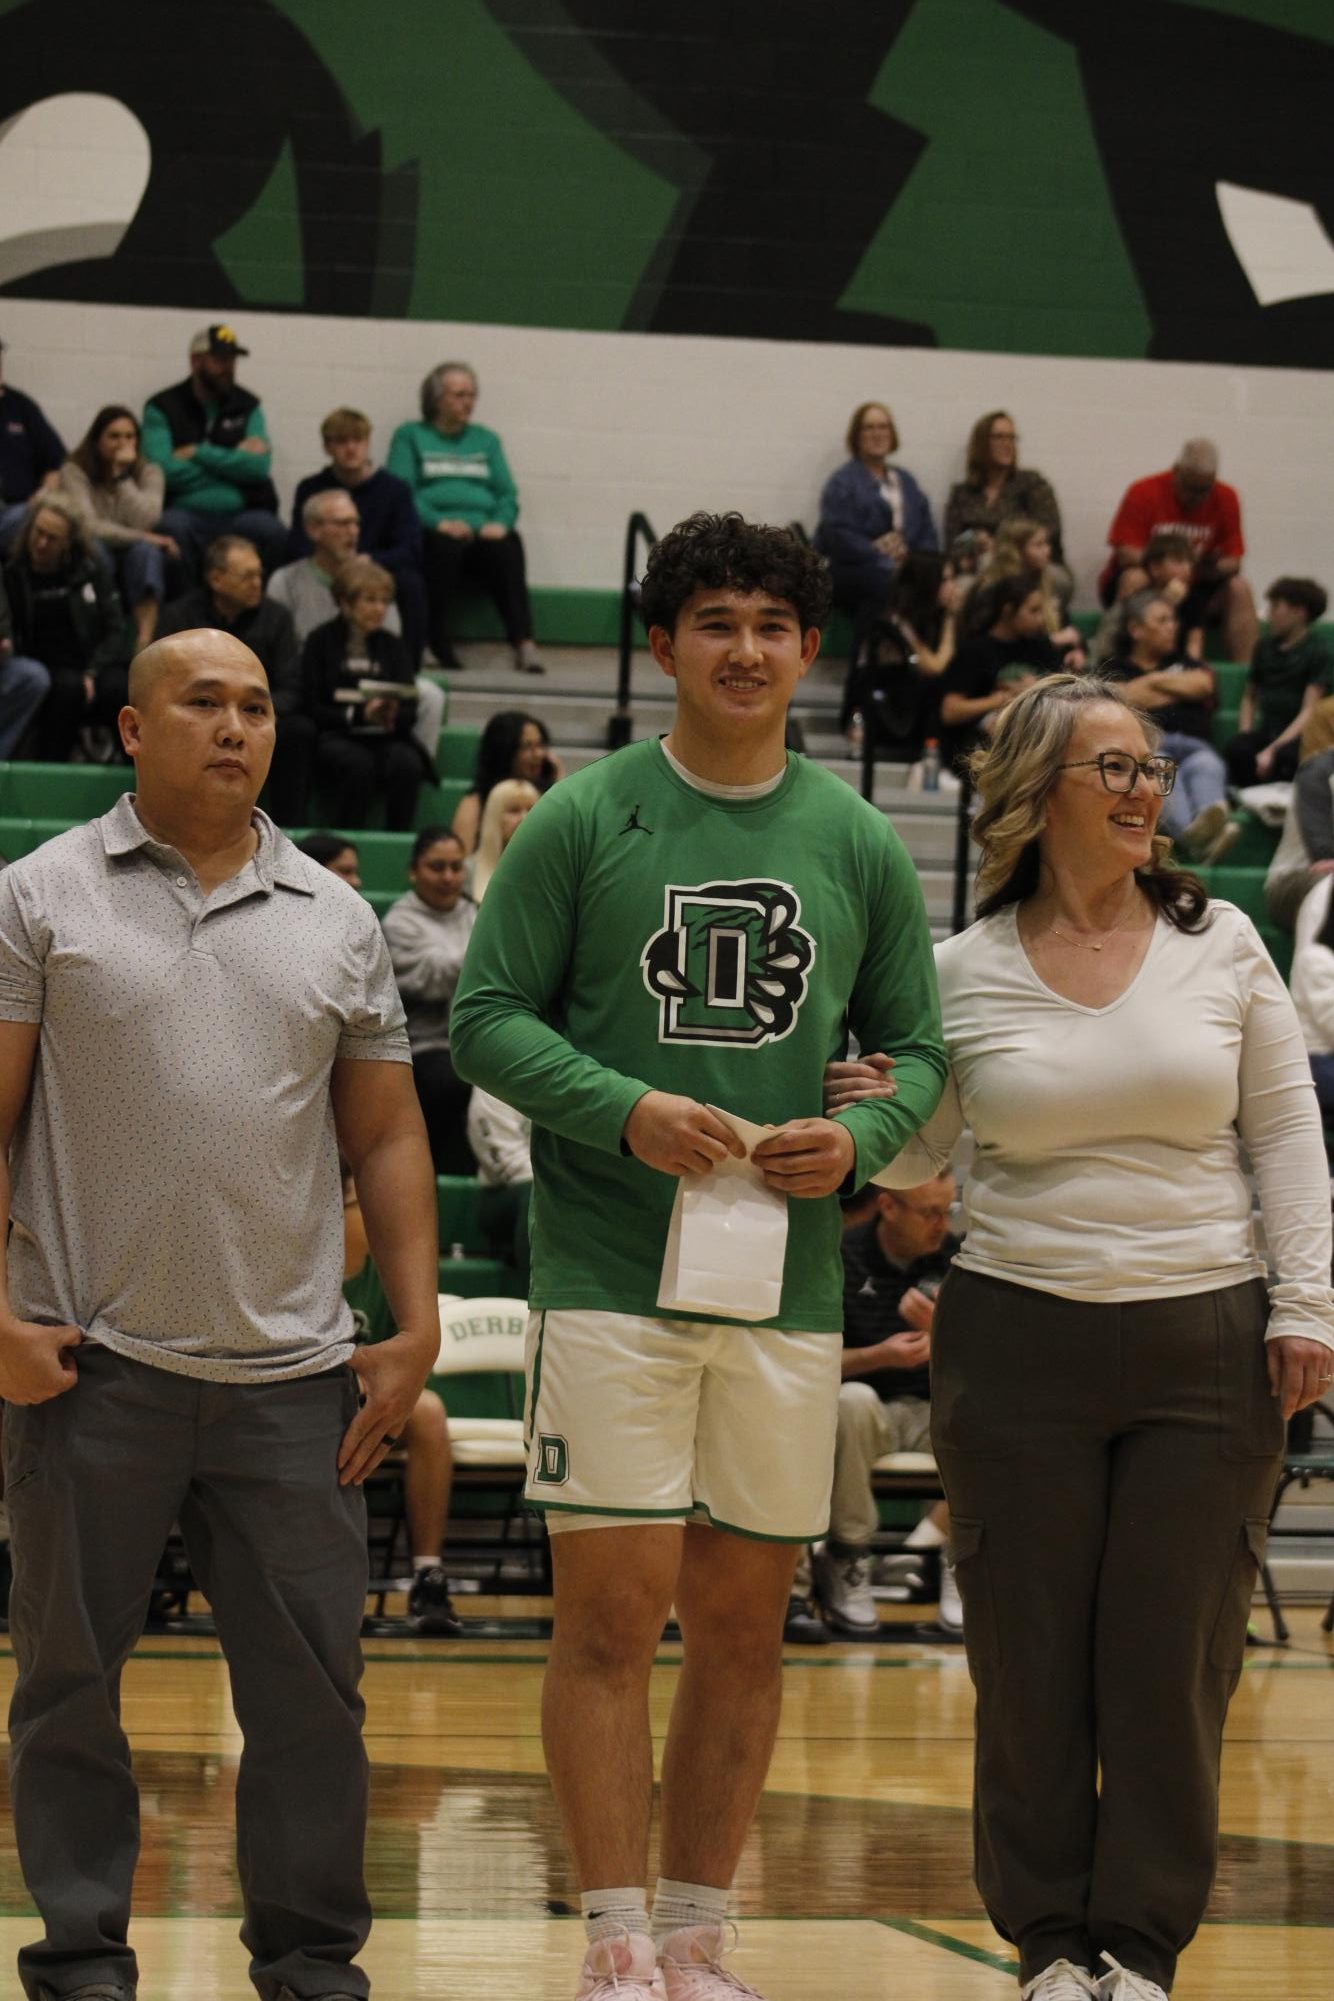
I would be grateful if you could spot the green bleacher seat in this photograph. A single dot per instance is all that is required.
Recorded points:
(457, 1197)
(456, 753)
(1243, 886)
(1223, 726)
(69, 792)
(1255, 849)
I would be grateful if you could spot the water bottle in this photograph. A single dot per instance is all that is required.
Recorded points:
(856, 732)
(931, 766)
(457, 1254)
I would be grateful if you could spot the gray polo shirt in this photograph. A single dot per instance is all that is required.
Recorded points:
(175, 1188)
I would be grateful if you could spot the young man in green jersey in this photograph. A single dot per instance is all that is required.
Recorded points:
(694, 921)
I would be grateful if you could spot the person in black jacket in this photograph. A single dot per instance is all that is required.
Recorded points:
(350, 668)
(65, 614)
(231, 599)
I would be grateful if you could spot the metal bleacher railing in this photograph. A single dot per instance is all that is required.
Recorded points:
(620, 724)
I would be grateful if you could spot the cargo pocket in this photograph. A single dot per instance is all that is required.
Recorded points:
(981, 1629)
(1227, 1647)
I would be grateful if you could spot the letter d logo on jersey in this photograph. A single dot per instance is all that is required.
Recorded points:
(729, 965)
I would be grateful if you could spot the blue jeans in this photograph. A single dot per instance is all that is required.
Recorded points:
(140, 570)
(1201, 781)
(193, 532)
(23, 687)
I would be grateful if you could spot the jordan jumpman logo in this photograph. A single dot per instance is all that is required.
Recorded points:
(634, 825)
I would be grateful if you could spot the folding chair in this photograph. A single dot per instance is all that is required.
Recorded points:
(479, 1375)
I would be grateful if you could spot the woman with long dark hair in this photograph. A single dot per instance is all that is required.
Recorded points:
(1110, 1368)
(427, 932)
(513, 745)
(893, 681)
(118, 493)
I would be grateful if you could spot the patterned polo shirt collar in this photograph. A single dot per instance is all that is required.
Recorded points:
(276, 862)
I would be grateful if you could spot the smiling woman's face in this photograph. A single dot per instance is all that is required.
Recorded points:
(1087, 824)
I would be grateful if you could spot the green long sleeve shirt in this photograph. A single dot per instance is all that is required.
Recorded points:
(641, 935)
(217, 480)
(465, 478)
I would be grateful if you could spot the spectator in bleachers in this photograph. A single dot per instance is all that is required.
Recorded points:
(507, 807)
(1312, 984)
(1180, 696)
(1110, 1371)
(1168, 563)
(65, 615)
(305, 586)
(994, 665)
(1305, 850)
(1022, 548)
(360, 691)
(1291, 678)
(428, 932)
(209, 437)
(501, 1139)
(872, 515)
(892, 1269)
(119, 496)
(893, 681)
(467, 503)
(334, 852)
(1191, 500)
(23, 685)
(513, 745)
(31, 455)
(332, 525)
(390, 530)
(995, 486)
(231, 599)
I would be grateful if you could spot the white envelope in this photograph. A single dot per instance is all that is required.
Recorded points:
(727, 1238)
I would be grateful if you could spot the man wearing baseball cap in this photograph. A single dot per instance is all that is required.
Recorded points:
(31, 454)
(208, 435)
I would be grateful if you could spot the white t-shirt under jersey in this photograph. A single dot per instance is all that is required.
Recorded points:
(1108, 1139)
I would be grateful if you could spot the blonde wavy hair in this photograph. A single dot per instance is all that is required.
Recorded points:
(1012, 776)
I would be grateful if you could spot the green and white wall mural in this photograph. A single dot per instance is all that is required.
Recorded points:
(1114, 178)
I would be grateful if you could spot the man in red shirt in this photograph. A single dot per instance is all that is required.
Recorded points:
(1189, 500)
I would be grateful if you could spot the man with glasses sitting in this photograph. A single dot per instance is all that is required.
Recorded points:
(1179, 695)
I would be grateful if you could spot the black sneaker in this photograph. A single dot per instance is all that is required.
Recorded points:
(430, 1611)
(802, 1627)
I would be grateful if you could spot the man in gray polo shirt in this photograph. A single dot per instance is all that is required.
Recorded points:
(194, 1019)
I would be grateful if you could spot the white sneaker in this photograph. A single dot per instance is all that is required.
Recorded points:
(1061, 1981)
(1123, 1985)
(692, 1968)
(843, 1587)
(624, 1968)
(950, 1615)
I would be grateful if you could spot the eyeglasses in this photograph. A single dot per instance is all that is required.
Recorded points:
(1119, 770)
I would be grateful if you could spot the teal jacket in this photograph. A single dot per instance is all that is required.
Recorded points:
(455, 479)
(220, 478)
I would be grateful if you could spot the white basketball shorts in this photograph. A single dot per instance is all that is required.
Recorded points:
(630, 1419)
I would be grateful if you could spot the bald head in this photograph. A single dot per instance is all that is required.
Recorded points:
(189, 655)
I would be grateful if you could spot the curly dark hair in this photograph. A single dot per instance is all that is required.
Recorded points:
(722, 552)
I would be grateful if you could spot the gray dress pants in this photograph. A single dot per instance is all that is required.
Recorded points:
(1110, 1471)
(94, 1480)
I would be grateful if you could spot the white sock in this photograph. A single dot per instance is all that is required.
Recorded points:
(678, 1904)
(608, 1913)
(420, 1563)
(925, 1536)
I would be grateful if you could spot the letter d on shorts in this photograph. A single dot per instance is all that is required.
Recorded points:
(553, 1460)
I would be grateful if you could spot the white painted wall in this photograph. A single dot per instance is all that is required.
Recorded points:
(598, 424)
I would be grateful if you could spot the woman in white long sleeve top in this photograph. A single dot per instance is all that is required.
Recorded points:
(1313, 988)
(1110, 1372)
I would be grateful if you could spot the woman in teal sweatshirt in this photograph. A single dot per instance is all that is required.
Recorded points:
(467, 502)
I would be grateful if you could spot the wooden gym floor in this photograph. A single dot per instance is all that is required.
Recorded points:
(855, 1884)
